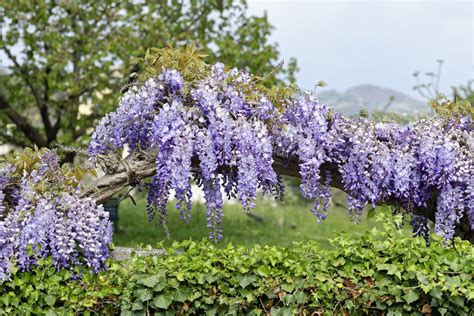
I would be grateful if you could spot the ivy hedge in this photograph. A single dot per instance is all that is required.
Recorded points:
(382, 272)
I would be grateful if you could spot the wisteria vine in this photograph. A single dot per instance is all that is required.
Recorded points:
(223, 132)
(211, 131)
(42, 216)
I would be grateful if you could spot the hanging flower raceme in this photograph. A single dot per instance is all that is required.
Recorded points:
(222, 131)
(42, 216)
(212, 124)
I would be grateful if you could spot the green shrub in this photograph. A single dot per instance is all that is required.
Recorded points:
(380, 272)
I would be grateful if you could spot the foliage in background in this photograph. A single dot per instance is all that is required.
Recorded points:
(452, 109)
(464, 92)
(382, 272)
(429, 89)
(461, 102)
(60, 56)
(392, 117)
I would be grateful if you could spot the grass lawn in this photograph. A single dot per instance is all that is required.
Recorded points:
(284, 222)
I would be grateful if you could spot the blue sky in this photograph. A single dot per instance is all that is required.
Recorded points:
(383, 42)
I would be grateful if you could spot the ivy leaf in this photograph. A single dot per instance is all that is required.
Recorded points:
(339, 262)
(287, 299)
(391, 268)
(154, 281)
(422, 278)
(281, 311)
(162, 301)
(454, 281)
(151, 281)
(180, 276)
(245, 280)
(371, 213)
(301, 297)
(211, 278)
(181, 294)
(137, 306)
(411, 296)
(50, 300)
(173, 283)
(288, 287)
(263, 271)
(144, 295)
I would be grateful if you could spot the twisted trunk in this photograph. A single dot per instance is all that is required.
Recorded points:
(143, 165)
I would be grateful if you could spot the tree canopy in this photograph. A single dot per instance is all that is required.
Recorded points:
(63, 57)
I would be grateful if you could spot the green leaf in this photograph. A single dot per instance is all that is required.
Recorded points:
(422, 278)
(281, 311)
(137, 306)
(50, 300)
(391, 268)
(210, 278)
(180, 276)
(320, 277)
(144, 295)
(339, 262)
(246, 280)
(287, 299)
(288, 287)
(411, 296)
(173, 283)
(263, 271)
(151, 281)
(162, 301)
(301, 297)
(181, 294)
(458, 300)
(453, 281)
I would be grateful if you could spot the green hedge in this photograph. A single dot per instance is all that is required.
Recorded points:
(382, 272)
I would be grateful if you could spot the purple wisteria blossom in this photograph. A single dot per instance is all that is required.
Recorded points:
(53, 222)
(216, 126)
(210, 131)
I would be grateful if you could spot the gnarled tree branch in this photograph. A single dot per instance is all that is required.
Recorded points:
(142, 166)
(22, 123)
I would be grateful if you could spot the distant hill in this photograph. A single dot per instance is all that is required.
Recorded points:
(372, 97)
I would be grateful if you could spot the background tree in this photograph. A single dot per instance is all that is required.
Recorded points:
(60, 56)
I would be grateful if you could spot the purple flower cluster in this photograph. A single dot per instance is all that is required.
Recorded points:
(131, 123)
(213, 127)
(56, 223)
(210, 130)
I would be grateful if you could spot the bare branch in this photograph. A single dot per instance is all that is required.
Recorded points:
(22, 123)
(42, 106)
(142, 166)
(13, 140)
